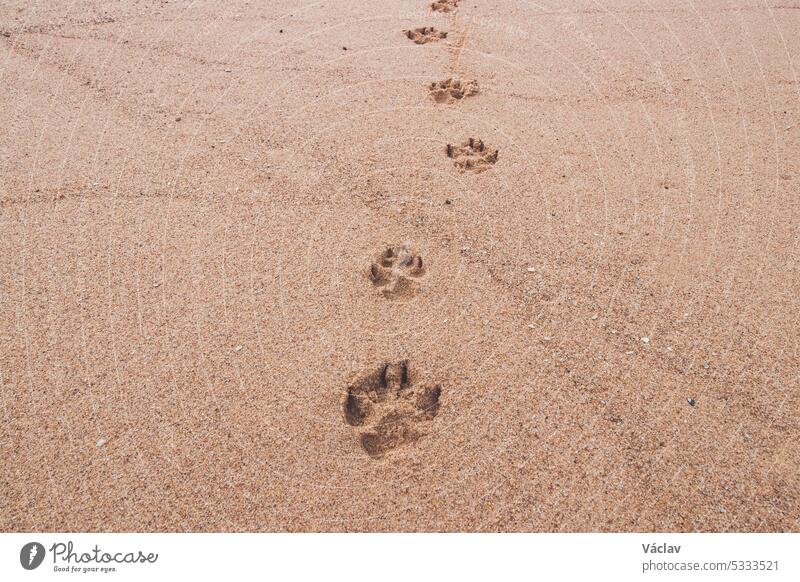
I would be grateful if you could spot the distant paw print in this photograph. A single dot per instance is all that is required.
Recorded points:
(391, 408)
(398, 272)
(445, 5)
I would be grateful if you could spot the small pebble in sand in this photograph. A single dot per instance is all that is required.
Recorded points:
(156, 283)
(691, 401)
(237, 349)
(705, 365)
(645, 340)
(594, 317)
(101, 442)
(531, 269)
(546, 338)
(227, 70)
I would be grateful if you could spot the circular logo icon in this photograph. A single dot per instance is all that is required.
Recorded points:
(31, 555)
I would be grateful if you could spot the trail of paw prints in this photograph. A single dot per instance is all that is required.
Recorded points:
(392, 411)
(452, 90)
(472, 156)
(397, 272)
(424, 35)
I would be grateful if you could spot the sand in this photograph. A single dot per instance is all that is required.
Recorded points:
(601, 333)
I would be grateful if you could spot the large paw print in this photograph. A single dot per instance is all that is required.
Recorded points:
(391, 409)
(398, 272)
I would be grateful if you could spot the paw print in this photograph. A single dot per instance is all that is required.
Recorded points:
(392, 410)
(398, 272)
(424, 35)
(472, 156)
(445, 5)
(452, 89)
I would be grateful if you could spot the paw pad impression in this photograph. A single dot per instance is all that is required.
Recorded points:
(424, 34)
(472, 155)
(445, 5)
(391, 409)
(452, 89)
(397, 272)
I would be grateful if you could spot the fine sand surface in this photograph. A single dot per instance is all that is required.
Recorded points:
(584, 319)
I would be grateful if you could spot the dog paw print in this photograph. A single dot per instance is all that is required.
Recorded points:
(453, 89)
(390, 408)
(424, 35)
(472, 156)
(445, 5)
(397, 272)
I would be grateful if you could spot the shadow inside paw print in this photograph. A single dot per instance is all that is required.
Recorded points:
(398, 272)
(392, 410)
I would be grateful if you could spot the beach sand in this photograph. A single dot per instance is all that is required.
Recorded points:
(583, 312)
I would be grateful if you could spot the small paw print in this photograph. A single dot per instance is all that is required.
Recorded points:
(424, 35)
(472, 155)
(397, 272)
(445, 5)
(452, 89)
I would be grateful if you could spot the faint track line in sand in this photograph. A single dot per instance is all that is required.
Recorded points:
(458, 47)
